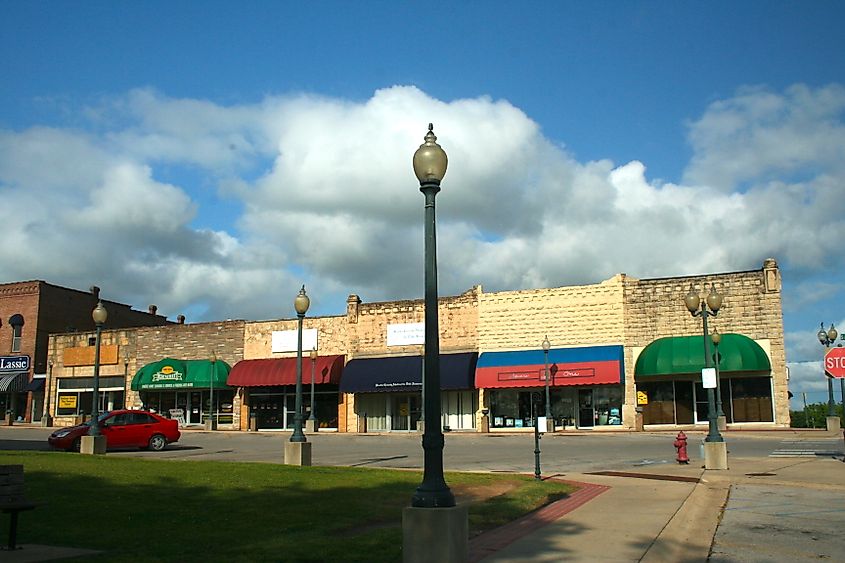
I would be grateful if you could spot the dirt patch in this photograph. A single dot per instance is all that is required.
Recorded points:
(475, 493)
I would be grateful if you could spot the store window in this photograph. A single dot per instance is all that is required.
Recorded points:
(16, 322)
(751, 399)
(608, 405)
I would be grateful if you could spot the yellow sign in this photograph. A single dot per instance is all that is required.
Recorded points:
(67, 401)
(403, 409)
(642, 398)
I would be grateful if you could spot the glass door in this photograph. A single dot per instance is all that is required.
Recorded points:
(586, 413)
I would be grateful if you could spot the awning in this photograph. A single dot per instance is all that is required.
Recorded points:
(282, 371)
(685, 355)
(13, 382)
(404, 373)
(35, 385)
(179, 374)
(589, 365)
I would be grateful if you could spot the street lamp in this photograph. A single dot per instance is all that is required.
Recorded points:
(827, 338)
(301, 304)
(717, 359)
(99, 314)
(430, 163)
(704, 308)
(535, 398)
(211, 409)
(312, 419)
(546, 346)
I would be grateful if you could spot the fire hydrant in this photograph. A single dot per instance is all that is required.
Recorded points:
(681, 445)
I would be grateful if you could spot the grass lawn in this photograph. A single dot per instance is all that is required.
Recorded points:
(163, 510)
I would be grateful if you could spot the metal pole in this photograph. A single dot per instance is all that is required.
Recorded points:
(433, 492)
(717, 360)
(537, 474)
(548, 403)
(298, 435)
(831, 408)
(94, 429)
(842, 394)
(47, 386)
(211, 391)
(713, 434)
(313, 368)
(807, 421)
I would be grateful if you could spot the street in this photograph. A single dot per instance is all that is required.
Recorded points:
(560, 453)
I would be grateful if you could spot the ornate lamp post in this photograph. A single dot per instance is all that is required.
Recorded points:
(301, 304)
(717, 360)
(430, 163)
(211, 410)
(546, 346)
(535, 398)
(99, 314)
(827, 339)
(704, 308)
(94, 442)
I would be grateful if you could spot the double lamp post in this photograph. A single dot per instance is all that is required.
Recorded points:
(827, 338)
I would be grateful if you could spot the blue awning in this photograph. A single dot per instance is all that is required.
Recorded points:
(404, 373)
(586, 365)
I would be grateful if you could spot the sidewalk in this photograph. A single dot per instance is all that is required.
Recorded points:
(648, 516)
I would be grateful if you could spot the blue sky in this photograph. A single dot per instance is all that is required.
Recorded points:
(210, 157)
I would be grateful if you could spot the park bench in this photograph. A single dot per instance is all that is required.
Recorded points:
(12, 499)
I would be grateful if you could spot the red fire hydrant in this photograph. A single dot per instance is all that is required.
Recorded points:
(681, 445)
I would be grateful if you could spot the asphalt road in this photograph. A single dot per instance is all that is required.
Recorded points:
(560, 453)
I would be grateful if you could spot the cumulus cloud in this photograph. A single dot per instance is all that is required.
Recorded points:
(222, 211)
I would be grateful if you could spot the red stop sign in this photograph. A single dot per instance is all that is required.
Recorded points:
(834, 362)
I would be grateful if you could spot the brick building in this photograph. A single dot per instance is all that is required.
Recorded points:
(29, 312)
(614, 348)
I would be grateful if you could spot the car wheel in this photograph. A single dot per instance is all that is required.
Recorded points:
(157, 442)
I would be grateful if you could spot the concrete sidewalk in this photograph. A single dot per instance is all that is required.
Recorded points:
(648, 516)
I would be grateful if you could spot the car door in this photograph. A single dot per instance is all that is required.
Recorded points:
(116, 430)
(142, 428)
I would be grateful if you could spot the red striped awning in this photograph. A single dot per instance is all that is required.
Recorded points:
(282, 371)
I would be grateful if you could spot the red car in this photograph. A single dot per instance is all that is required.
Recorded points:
(122, 429)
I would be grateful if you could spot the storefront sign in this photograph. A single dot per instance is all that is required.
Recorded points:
(576, 372)
(518, 375)
(167, 373)
(393, 384)
(286, 340)
(9, 364)
(405, 334)
(67, 401)
(642, 398)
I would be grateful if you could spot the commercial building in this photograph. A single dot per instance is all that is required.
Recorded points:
(620, 352)
(29, 312)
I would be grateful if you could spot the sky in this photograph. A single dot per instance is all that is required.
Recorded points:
(211, 157)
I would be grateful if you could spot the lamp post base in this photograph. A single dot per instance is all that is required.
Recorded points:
(435, 534)
(46, 421)
(311, 426)
(715, 455)
(485, 423)
(833, 424)
(722, 423)
(298, 453)
(92, 445)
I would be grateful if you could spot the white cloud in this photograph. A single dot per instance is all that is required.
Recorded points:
(222, 211)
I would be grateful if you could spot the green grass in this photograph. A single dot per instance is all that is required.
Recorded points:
(162, 510)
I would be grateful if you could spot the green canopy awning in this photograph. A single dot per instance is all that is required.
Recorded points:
(179, 374)
(685, 354)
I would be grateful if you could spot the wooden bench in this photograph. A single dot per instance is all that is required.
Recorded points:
(12, 499)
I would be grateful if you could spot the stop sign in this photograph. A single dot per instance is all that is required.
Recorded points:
(834, 362)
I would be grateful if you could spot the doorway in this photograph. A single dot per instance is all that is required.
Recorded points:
(586, 411)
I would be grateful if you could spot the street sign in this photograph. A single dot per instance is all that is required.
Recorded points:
(834, 362)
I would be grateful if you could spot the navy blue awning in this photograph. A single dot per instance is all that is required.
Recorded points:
(36, 384)
(404, 373)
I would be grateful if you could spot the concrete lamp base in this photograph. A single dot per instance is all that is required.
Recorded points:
(833, 424)
(311, 426)
(715, 455)
(722, 423)
(46, 421)
(92, 445)
(298, 453)
(435, 534)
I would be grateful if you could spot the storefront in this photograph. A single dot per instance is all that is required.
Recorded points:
(668, 380)
(388, 392)
(270, 390)
(187, 390)
(14, 381)
(74, 396)
(586, 386)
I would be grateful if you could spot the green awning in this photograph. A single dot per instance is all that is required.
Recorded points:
(685, 355)
(181, 374)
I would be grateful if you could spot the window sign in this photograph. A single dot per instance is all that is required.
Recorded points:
(708, 378)
(286, 340)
